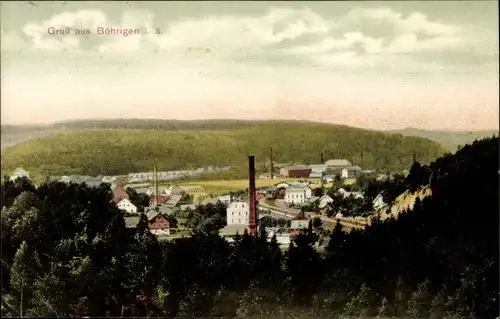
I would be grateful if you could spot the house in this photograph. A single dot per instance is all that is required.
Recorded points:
(192, 189)
(336, 165)
(158, 223)
(346, 194)
(379, 202)
(158, 200)
(311, 200)
(119, 191)
(173, 200)
(20, 173)
(174, 190)
(297, 195)
(238, 213)
(324, 201)
(295, 171)
(353, 171)
(126, 205)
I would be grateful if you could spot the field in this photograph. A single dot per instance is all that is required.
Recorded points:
(221, 187)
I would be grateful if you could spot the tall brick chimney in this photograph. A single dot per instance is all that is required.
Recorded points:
(271, 163)
(322, 158)
(251, 195)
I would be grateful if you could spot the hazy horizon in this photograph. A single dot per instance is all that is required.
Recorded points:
(374, 65)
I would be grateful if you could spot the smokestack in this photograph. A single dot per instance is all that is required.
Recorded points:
(414, 157)
(251, 195)
(155, 176)
(271, 163)
(361, 158)
(322, 158)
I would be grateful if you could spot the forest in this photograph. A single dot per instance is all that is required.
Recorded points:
(66, 252)
(122, 151)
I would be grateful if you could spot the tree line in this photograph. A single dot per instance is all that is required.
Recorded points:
(66, 252)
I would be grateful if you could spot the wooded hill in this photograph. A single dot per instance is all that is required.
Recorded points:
(120, 147)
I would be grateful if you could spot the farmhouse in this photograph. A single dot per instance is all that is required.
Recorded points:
(297, 195)
(126, 205)
(173, 201)
(174, 190)
(158, 223)
(353, 171)
(295, 171)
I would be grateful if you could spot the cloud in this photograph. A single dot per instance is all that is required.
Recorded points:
(83, 19)
(300, 36)
(415, 22)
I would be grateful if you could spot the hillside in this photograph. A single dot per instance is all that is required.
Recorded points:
(203, 143)
(451, 140)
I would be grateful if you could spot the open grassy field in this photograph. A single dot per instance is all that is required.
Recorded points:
(220, 187)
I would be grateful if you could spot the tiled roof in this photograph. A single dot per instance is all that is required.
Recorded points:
(162, 199)
(152, 214)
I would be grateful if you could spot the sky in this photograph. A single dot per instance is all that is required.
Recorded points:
(374, 65)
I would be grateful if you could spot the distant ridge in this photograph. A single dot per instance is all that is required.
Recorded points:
(449, 139)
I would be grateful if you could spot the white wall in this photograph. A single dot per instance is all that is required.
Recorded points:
(238, 213)
(127, 206)
(298, 196)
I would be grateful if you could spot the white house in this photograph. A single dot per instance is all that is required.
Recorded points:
(126, 205)
(353, 171)
(238, 213)
(19, 173)
(298, 195)
(324, 200)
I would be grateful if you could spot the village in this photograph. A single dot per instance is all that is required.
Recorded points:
(291, 205)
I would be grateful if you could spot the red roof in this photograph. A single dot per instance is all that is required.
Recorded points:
(116, 200)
